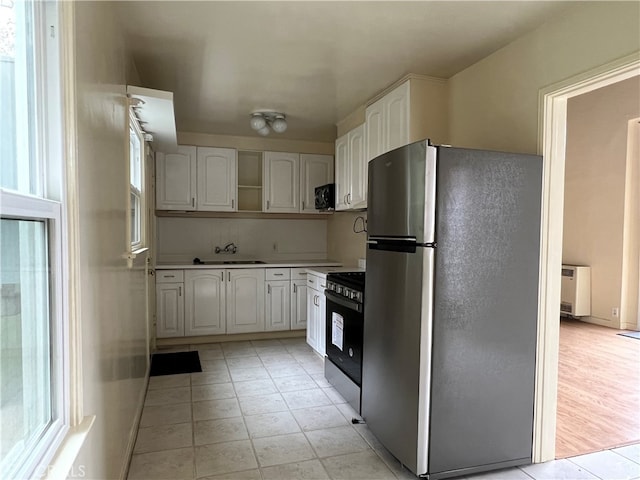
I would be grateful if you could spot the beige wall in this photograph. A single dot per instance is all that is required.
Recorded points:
(114, 359)
(594, 196)
(255, 143)
(494, 103)
(343, 244)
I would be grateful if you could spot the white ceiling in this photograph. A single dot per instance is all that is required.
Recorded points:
(314, 61)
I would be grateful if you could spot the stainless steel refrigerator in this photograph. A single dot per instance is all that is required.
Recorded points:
(451, 307)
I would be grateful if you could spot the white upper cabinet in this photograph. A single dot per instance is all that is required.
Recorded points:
(351, 171)
(281, 188)
(357, 197)
(396, 118)
(217, 179)
(315, 170)
(176, 179)
(414, 110)
(343, 176)
(387, 122)
(374, 130)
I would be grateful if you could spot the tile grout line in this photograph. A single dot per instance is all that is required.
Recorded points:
(244, 422)
(193, 426)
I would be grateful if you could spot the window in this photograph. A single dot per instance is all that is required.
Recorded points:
(136, 181)
(33, 416)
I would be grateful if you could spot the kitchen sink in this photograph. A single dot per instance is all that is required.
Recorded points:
(243, 262)
(197, 261)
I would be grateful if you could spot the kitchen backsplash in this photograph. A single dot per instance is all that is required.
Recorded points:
(182, 239)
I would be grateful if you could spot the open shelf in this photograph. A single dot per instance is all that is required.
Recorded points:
(249, 181)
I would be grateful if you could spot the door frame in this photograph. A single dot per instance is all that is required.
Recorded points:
(552, 123)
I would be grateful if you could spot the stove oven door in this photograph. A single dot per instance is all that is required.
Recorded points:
(344, 327)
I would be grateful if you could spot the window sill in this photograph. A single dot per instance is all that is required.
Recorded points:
(131, 256)
(62, 462)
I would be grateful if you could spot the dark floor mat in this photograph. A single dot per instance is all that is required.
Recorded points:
(631, 335)
(174, 363)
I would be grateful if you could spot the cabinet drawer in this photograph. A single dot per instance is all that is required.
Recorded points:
(277, 274)
(313, 281)
(298, 273)
(169, 276)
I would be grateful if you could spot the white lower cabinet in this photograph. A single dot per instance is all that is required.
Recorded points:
(278, 310)
(205, 297)
(298, 304)
(211, 301)
(169, 310)
(245, 300)
(316, 312)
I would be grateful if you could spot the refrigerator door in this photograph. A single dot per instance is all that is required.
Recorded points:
(396, 351)
(485, 310)
(401, 197)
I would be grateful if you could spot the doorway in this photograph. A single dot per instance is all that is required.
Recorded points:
(552, 145)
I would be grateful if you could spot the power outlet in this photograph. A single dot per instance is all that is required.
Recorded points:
(615, 312)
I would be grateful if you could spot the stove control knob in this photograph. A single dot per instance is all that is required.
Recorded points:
(339, 290)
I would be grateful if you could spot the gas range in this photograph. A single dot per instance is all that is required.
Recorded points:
(344, 329)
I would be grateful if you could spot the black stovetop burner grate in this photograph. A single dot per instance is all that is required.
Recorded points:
(348, 279)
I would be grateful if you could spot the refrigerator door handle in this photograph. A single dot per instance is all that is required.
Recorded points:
(393, 239)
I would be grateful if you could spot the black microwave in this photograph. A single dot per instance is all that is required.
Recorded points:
(325, 196)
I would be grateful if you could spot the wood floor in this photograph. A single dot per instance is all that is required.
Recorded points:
(598, 389)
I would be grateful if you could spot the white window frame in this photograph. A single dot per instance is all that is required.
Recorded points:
(140, 246)
(18, 206)
(55, 178)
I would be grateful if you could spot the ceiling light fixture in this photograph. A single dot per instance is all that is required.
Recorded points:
(264, 122)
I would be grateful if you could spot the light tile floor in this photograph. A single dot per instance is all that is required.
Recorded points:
(263, 410)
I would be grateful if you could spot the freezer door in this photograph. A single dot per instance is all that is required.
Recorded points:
(396, 352)
(401, 197)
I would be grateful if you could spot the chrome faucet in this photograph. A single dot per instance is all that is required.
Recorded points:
(228, 248)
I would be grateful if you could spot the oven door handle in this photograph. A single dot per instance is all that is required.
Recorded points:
(345, 302)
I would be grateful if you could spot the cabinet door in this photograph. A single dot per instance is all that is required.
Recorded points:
(217, 179)
(357, 197)
(312, 318)
(245, 300)
(343, 180)
(278, 306)
(315, 170)
(176, 179)
(298, 304)
(204, 302)
(281, 187)
(396, 118)
(321, 324)
(169, 310)
(374, 130)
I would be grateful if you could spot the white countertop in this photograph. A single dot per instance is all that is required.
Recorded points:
(322, 271)
(268, 264)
